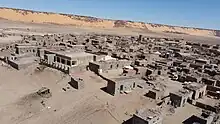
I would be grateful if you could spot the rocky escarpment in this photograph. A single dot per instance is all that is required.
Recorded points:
(86, 21)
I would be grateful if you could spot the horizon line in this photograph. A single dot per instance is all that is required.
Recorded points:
(72, 14)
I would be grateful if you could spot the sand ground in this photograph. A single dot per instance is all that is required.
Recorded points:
(7, 26)
(91, 105)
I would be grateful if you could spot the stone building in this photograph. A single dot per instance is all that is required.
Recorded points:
(147, 116)
(122, 55)
(21, 61)
(153, 72)
(199, 90)
(208, 81)
(141, 63)
(74, 48)
(129, 71)
(26, 48)
(196, 66)
(179, 98)
(65, 60)
(140, 38)
(123, 85)
(217, 84)
(199, 63)
(202, 61)
(164, 62)
(155, 93)
(141, 70)
(192, 77)
(181, 64)
(102, 66)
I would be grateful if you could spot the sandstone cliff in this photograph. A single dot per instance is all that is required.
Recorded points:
(85, 21)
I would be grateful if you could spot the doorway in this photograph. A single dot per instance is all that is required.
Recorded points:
(94, 58)
(200, 94)
(159, 72)
(121, 88)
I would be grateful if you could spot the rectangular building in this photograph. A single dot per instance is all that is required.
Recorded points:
(102, 66)
(26, 48)
(123, 84)
(179, 98)
(65, 60)
(199, 90)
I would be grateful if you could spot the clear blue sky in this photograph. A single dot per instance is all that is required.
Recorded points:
(191, 13)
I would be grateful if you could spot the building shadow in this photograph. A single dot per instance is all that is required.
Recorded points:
(104, 89)
(129, 121)
(192, 120)
(72, 85)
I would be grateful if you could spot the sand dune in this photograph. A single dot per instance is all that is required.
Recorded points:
(85, 21)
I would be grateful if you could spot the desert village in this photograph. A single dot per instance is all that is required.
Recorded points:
(171, 73)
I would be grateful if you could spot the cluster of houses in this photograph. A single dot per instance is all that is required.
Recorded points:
(141, 58)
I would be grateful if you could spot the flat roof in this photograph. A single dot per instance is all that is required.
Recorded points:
(209, 101)
(141, 60)
(26, 46)
(194, 86)
(182, 92)
(148, 114)
(70, 54)
(184, 63)
(78, 54)
(157, 89)
(184, 54)
(111, 60)
(121, 79)
(200, 59)
(25, 60)
(78, 45)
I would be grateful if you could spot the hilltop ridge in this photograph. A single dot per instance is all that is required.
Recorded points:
(88, 21)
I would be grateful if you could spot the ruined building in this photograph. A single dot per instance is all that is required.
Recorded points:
(123, 85)
(199, 90)
(179, 98)
(66, 60)
(147, 116)
(102, 66)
